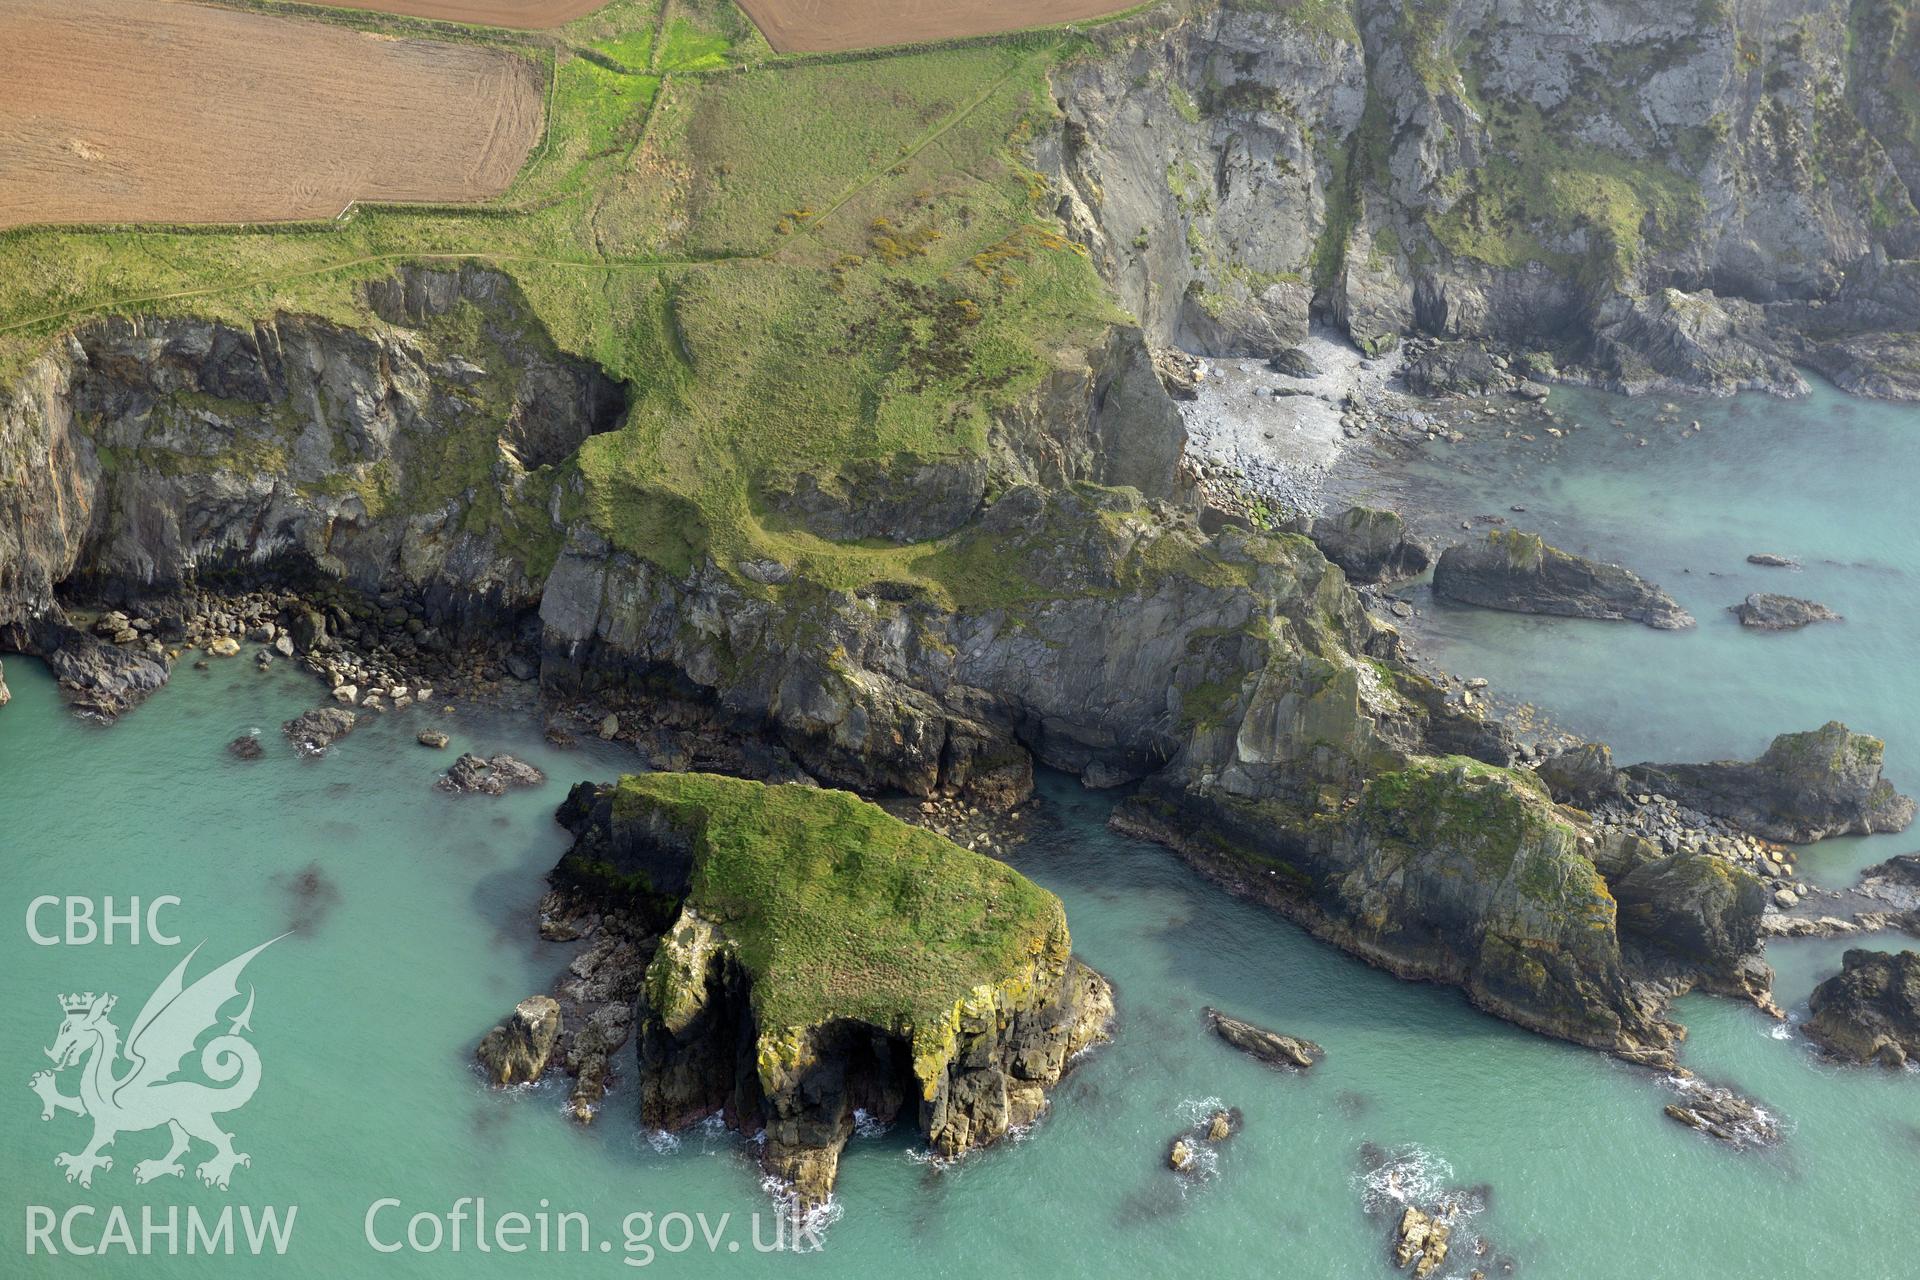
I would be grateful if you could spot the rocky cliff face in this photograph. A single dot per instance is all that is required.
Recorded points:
(428, 452)
(1660, 194)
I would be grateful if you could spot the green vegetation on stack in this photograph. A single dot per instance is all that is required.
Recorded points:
(840, 910)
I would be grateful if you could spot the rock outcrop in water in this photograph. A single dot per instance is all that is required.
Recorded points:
(1420, 1241)
(312, 732)
(1518, 572)
(1720, 1113)
(489, 776)
(1370, 545)
(1807, 786)
(1704, 909)
(1270, 1047)
(1766, 611)
(824, 959)
(1870, 1010)
(517, 1051)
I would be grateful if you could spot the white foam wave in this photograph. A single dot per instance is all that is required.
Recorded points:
(806, 1231)
(1196, 1111)
(1410, 1175)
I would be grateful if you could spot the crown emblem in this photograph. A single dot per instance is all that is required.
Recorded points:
(77, 1003)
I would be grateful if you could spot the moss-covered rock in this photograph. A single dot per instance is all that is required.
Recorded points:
(827, 958)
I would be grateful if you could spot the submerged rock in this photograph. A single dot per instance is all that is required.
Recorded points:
(824, 958)
(489, 776)
(1769, 560)
(246, 747)
(517, 1051)
(1870, 1010)
(1271, 1047)
(314, 731)
(1370, 545)
(1520, 573)
(1719, 1112)
(1765, 611)
(1824, 782)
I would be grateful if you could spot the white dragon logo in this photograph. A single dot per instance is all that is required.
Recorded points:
(145, 1096)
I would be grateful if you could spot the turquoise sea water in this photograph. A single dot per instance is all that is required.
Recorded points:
(415, 935)
(1829, 480)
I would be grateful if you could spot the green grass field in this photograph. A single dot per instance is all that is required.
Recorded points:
(790, 261)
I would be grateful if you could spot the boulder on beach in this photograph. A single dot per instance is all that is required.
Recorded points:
(1766, 611)
(1824, 782)
(1294, 363)
(1271, 1047)
(101, 679)
(1870, 1010)
(1520, 573)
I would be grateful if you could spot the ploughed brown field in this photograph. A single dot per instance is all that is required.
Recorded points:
(817, 26)
(156, 111)
(529, 15)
